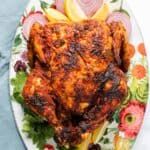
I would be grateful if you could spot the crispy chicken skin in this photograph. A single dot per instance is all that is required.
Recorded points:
(77, 77)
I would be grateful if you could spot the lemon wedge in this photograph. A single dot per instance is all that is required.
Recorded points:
(74, 12)
(93, 137)
(121, 143)
(99, 132)
(102, 13)
(84, 145)
(53, 15)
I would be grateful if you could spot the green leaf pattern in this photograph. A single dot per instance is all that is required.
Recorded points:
(17, 41)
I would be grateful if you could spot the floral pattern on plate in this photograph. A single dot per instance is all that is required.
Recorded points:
(127, 120)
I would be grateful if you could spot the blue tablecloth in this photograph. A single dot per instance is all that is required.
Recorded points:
(10, 13)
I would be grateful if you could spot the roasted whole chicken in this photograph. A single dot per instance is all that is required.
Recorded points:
(77, 77)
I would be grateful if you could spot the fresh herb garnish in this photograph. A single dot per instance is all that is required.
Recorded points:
(34, 126)
(37, 129)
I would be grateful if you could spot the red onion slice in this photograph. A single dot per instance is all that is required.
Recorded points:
(90, 6)
(30, 20)
(60, 5)
(121, 17)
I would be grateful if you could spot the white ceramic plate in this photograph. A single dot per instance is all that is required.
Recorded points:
(137, 81)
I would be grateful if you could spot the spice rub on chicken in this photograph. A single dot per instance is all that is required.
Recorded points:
(77, 77)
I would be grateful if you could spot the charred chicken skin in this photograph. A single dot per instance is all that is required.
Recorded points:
(77, 77)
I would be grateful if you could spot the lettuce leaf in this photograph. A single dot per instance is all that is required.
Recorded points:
(18, 83)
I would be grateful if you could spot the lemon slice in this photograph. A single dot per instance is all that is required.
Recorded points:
(93, 137)
(102, 13)
(74, 12)
(99, 132)
(53, 15)
(84, 145)
(121, 143)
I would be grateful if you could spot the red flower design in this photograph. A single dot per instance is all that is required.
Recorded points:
(131, 118)
(139, 71)
(141, 49)
(131, 50)
(20, 66)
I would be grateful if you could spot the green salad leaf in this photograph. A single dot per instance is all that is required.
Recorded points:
(18, 83)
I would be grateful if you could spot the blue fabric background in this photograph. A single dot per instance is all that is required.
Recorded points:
(10, 13)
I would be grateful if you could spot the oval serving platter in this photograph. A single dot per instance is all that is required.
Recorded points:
(124, 128)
